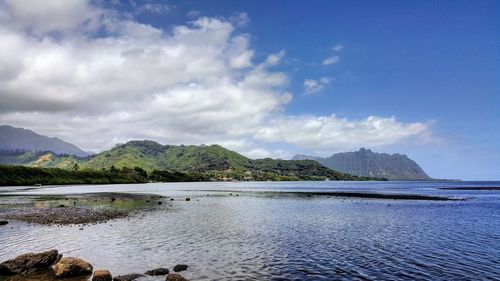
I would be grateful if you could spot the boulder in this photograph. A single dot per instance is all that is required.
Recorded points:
(158, 271)
(70, 267)
(175, 277)
(128, 277)
(29, 263)
(102, 275)
(180, 267)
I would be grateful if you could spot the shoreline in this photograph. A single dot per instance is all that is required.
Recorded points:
(347, 194)
(77, 209)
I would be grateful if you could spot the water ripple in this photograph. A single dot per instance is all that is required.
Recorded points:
(258, 238)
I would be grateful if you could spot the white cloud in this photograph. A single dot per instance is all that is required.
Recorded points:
(240, 19)
(40, 17)
(312, 86)
(156, 8)
(338, 47)
(259, 153)
(274, 59)
(104, 77)
(331, 60)
(330, 133)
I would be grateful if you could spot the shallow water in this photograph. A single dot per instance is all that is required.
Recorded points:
(264, 236)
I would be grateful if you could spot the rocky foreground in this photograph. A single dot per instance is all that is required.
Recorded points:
(51, 265)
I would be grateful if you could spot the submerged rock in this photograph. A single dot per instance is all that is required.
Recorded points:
(180, 267)
(175, 277)
(102, 275)
(70, 267)
(128, 277)
(29, 263)
(158, 271)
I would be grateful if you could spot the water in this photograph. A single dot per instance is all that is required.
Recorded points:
(266, 236)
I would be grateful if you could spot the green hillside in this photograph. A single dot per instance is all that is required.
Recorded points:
(212, 162)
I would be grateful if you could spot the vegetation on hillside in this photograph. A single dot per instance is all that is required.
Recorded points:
(184, 163)
(21, 175)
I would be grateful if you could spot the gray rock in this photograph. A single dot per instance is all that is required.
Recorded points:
(128, 277)
(180, 267)
(158, 271)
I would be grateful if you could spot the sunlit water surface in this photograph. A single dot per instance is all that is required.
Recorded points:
(265, 236)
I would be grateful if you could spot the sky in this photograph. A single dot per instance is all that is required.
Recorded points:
(263, 78)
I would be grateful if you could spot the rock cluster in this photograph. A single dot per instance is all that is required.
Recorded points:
(52, 263)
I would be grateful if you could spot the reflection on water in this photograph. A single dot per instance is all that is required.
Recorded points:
(292, 238)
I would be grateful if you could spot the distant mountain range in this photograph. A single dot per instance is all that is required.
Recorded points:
(372, 164)
(12, 138)
(24, 147)
(213, 161)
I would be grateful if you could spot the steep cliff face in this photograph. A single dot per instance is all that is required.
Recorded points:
(372, 164)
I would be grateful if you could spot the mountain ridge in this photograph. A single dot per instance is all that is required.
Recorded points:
(365, 162)
(13, 138)
(214, 162)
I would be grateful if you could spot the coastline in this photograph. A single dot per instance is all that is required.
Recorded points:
(77, 209)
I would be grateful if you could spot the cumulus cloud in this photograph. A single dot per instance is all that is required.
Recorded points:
(312, 86)
(331, 60)
(327, 133)
(40, 17)
(97, 77)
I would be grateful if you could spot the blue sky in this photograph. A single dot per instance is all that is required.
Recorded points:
(432, 66)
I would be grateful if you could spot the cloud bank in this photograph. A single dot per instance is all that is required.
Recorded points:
(96, 77)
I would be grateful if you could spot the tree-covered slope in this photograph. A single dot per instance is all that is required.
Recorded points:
(371, 164)
(214, 161)
(150, 155)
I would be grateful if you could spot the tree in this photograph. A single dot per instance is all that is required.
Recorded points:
(113, 170)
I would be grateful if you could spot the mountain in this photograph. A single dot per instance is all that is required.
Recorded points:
(372, 164)
(214, 161)
(12, 138)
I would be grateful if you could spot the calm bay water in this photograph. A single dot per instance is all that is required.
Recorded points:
(267, 236)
